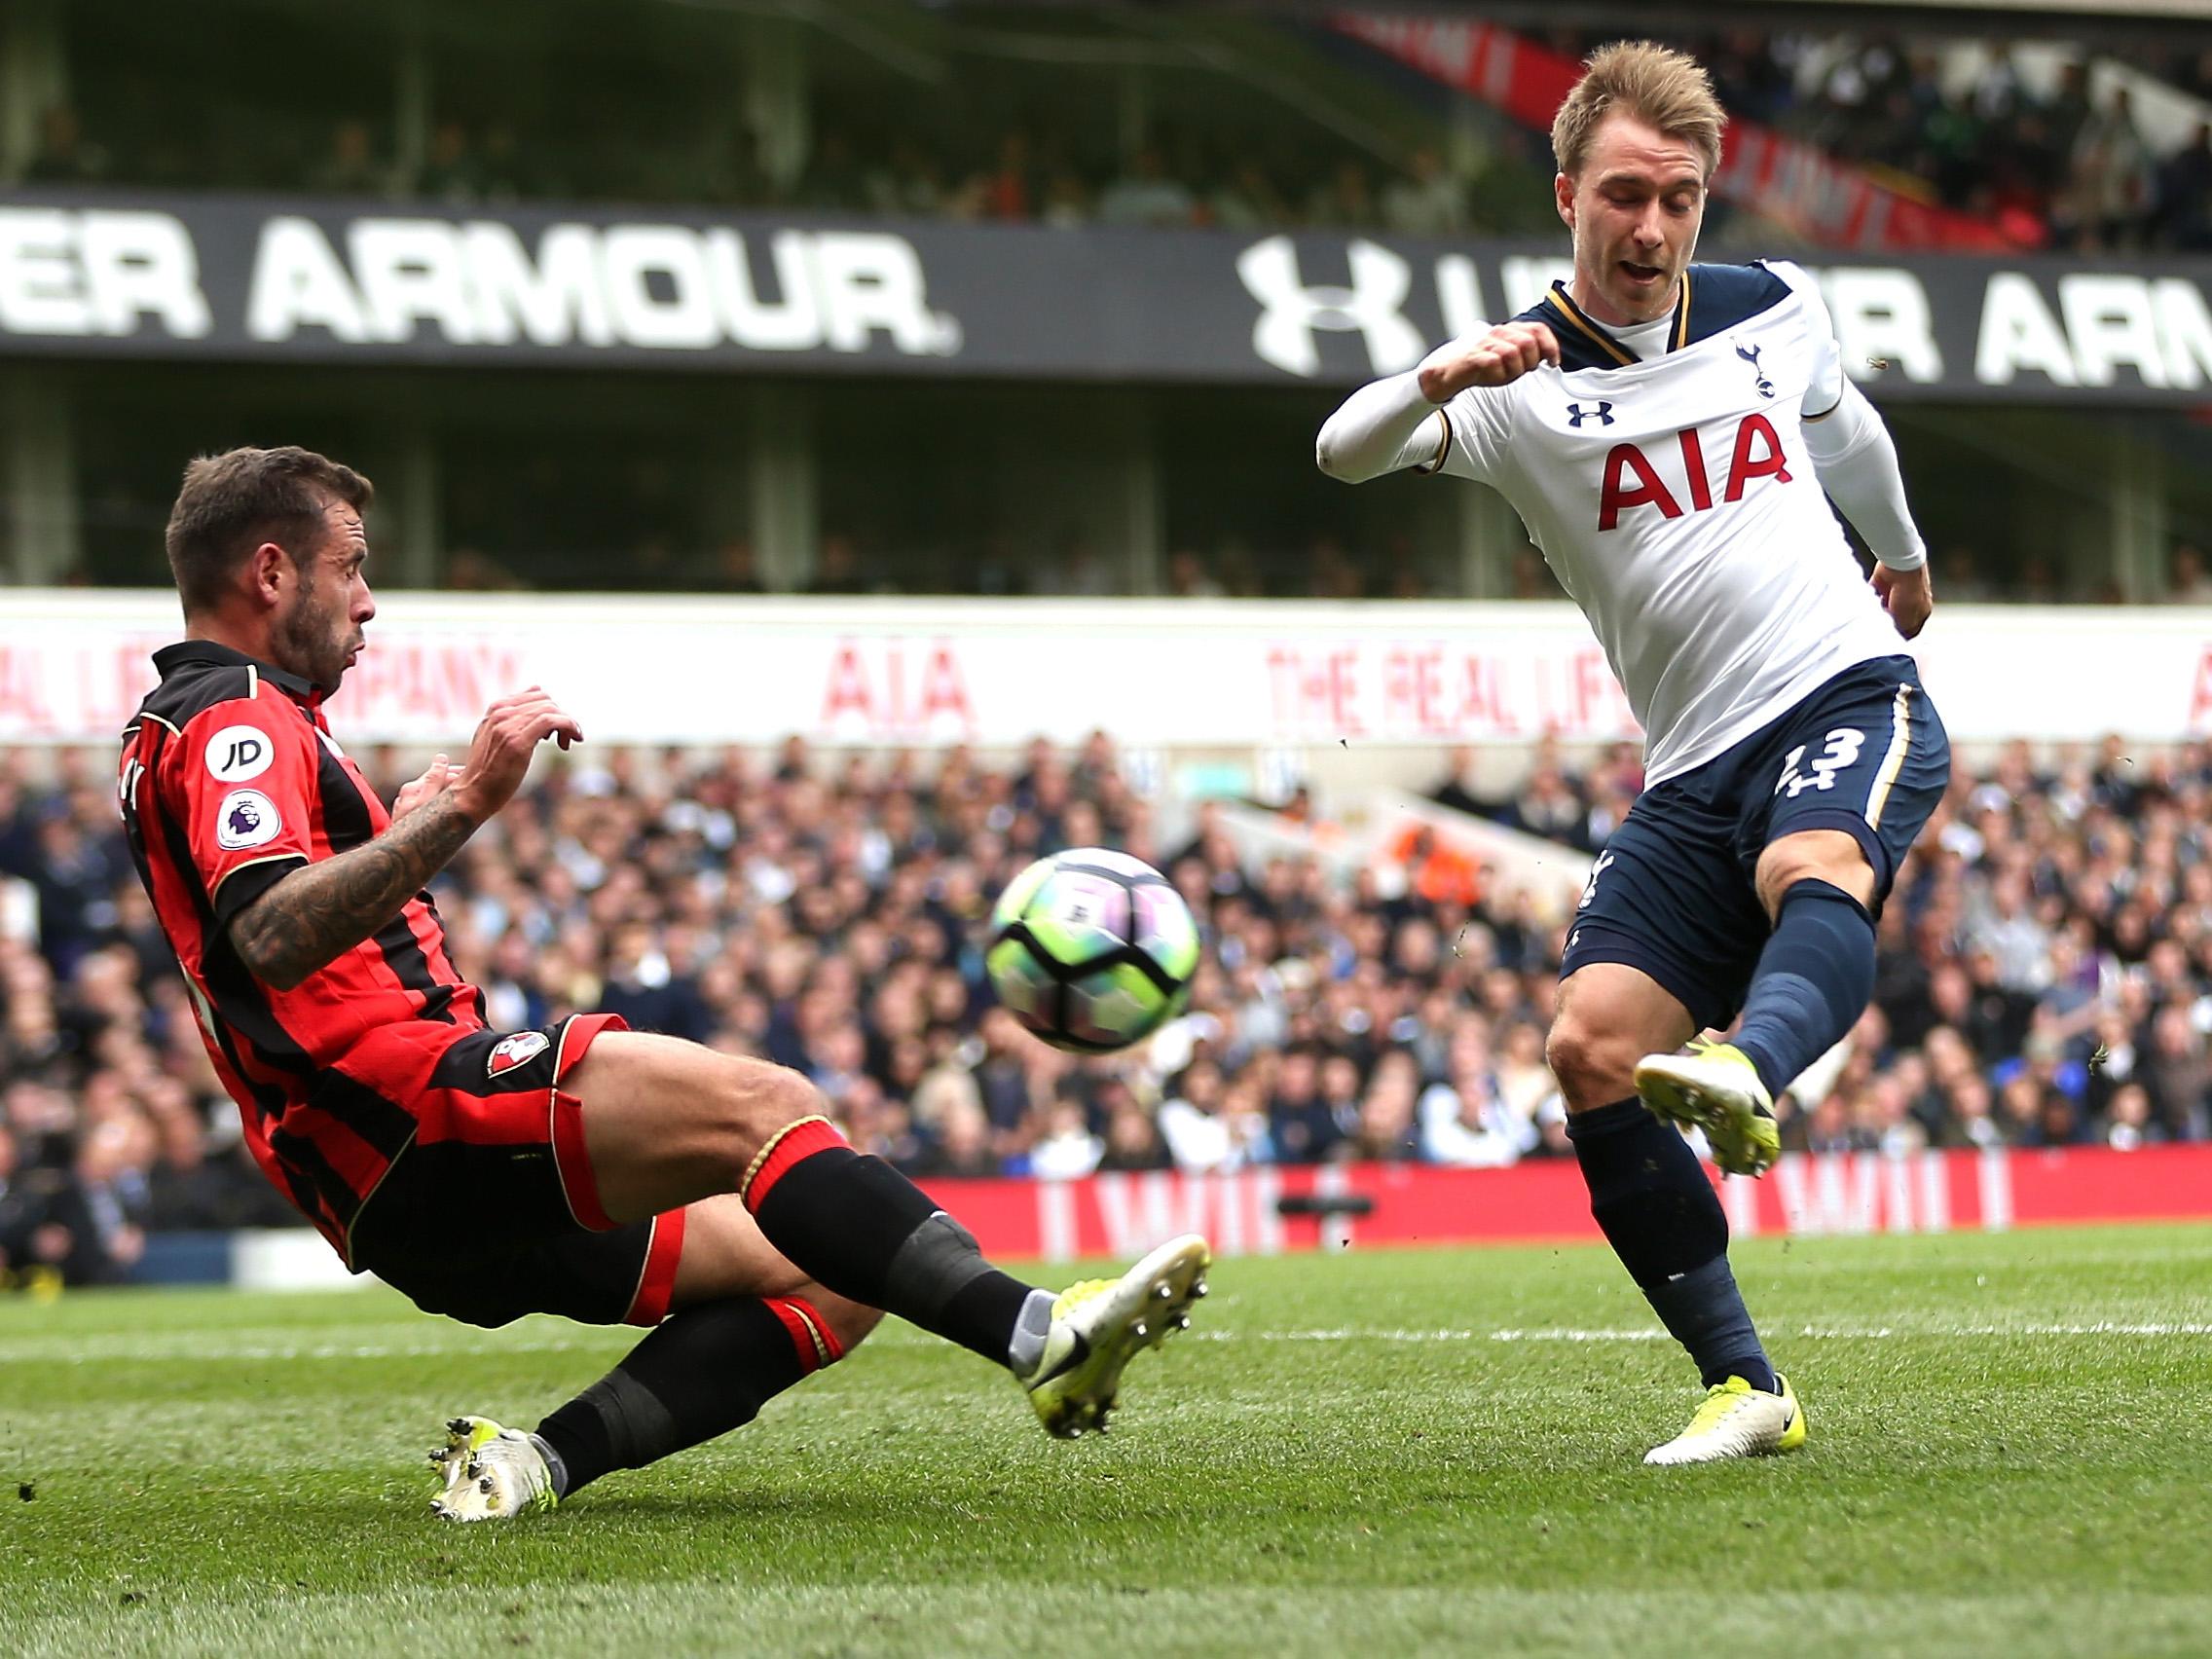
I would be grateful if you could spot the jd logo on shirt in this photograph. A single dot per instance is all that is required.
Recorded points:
(239, 752)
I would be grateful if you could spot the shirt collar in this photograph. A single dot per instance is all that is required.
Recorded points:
(187, 652)
(1603, 339)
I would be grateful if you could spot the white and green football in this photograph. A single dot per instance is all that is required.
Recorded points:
(1092, 949)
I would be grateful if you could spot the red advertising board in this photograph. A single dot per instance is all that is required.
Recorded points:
(1270, 1211)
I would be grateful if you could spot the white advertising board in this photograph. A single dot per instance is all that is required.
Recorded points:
(1161, 674)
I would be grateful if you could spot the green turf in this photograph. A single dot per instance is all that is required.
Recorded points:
(1344, 1454)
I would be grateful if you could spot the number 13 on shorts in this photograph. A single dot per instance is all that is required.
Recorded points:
(1842, 751)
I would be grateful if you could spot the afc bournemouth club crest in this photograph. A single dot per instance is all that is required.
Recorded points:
(520, 1050)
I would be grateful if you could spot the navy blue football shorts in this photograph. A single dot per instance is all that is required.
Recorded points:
(1672, 892)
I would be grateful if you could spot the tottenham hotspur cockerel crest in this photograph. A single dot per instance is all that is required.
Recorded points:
(1751, 355)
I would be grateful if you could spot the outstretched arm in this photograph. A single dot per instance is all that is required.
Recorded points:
(1385, 424)
(1858, 466)
(317, 913)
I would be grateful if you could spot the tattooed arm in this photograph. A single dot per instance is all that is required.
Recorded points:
(315, 915)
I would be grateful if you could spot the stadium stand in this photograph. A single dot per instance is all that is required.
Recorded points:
(2051, 156)
(2045, 976)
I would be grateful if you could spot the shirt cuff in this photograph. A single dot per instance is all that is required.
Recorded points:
(248, 881)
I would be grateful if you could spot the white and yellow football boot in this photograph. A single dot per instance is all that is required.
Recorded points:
(1717, 1088)
(1737, 1420)
(489, 1473)
(1100, 1325)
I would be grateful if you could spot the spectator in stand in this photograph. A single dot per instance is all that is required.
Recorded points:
(2175, 1075)
(956, 1132)
(105, 1209)
(649, 991)
(2185, 195)
(1346, 198)
(837, 567)
(1133, 1143)
(2187, 581)
(22, 1212)
(1010, 189)
(1438, 869)
(351, 167)
(1546, 803)
(1067, 200)
(1427, 200)
(1388, 1129)
(64, 156)
(1300, 1124)
(1145, 194)
(452, 172)
(1465, 1118)
(1247, 200)
(1189, 578)
(1209, 1129)
(835, 180)
(1065, 1150)
(908, 183)
(2128, 1126)
(1458, 790)
(2111, 185)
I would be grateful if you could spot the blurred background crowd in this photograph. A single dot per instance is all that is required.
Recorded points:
(2036, 154)
(2046, 974)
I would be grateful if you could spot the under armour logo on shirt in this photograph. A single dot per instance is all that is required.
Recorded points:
(1601, 412)
(1283, 334)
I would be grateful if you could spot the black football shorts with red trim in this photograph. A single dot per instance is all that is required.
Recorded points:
(491, 1211)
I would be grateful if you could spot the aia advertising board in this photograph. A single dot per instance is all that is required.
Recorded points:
(932, 673)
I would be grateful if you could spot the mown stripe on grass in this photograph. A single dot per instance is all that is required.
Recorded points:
(110, 1348)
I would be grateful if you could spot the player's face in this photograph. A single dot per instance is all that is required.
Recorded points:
(1634, 209)
(321, 632)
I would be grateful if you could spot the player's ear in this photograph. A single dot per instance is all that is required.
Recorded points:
(1563, 197)
(268, 568)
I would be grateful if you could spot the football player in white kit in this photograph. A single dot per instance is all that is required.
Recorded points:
(1670, 434)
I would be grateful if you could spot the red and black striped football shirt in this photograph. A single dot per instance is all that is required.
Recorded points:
(229, 782)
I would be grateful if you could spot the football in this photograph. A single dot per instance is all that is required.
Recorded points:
(1091, 949)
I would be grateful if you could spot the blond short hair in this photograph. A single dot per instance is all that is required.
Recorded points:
(1664, 89)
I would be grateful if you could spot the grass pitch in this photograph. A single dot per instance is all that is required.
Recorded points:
(1405, 1451)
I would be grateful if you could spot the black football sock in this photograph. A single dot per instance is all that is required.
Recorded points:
(1810, 984)
(701, 1373)
(860, 1228)
(1664, 1221)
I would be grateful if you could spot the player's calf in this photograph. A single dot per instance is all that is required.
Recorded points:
(1813, 981)
(702, 1372)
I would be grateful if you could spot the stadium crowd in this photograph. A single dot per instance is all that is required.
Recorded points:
(2045, 975)
(2050, 165)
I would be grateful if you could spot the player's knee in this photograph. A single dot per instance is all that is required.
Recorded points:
(1593, 1067)
(760, 1100)
(849, 1322)
(1820, 855)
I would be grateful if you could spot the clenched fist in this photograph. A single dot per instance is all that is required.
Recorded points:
(1496, 358)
